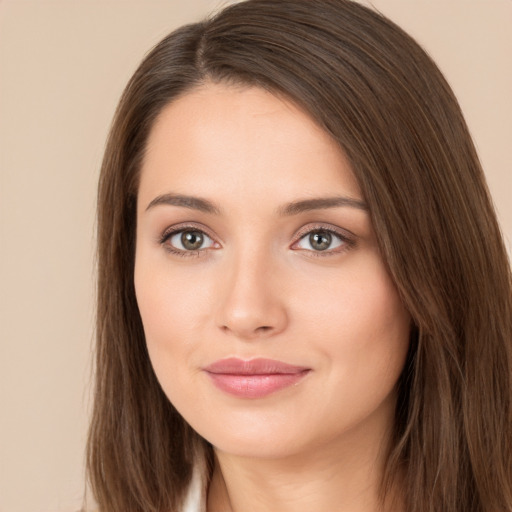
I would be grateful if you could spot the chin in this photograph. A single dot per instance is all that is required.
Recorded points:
(258, 439)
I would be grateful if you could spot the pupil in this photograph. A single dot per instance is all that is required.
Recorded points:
(192, 240)
(320, 240)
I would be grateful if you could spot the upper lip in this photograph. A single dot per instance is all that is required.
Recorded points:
(258, 366)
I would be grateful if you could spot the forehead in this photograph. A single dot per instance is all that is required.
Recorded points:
(220, 138)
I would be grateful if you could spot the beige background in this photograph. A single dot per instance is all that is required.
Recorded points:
(63, 65)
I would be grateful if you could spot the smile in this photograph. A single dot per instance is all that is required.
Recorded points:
(256, 378)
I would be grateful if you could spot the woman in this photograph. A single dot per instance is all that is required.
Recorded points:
(304, 302)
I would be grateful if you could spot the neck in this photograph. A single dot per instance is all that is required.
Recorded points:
(344, 476)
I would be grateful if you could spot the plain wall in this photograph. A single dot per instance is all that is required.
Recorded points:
(63, 65)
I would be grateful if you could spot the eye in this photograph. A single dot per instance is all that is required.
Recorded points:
(323, 240)
(185, 241)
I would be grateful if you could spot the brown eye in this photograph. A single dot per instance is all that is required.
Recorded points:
(192, 240)
(320, 241)
(189, 240)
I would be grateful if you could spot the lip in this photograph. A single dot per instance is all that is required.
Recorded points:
(255, 378)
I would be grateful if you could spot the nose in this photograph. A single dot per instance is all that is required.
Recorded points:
(252, 300)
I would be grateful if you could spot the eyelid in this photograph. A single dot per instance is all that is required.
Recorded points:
(186, 226)
(346, 236)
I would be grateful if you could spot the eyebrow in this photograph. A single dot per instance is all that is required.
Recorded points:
(194, 203)
(321, 203)
(293, 208)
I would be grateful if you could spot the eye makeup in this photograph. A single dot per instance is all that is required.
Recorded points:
(346, 239)
(328, 239)
(169, 233)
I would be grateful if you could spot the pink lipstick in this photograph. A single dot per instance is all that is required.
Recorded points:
(256, 378)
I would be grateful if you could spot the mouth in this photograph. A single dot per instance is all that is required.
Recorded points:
(255, 378)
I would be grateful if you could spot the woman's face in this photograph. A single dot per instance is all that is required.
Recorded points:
(270, 319)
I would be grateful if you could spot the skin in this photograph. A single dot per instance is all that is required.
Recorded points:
(258, 287)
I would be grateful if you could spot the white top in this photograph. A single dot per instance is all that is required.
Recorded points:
(195, 500)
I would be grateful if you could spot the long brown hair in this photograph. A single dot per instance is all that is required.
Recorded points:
(380, 96)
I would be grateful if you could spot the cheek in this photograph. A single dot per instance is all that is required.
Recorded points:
(362, 299)
(174, 307)
(170, 300)
(360, 326)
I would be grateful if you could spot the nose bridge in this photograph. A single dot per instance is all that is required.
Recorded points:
(251, 305)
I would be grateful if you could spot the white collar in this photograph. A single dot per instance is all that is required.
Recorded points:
(195, 499)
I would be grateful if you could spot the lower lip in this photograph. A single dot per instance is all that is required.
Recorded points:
(255, 386)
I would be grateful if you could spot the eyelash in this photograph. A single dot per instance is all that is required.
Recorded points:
(346, 239)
